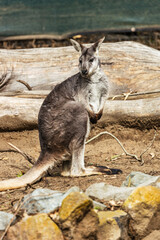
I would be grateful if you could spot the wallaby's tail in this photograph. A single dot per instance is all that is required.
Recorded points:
(33, 175)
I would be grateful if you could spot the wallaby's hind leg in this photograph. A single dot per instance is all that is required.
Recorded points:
(76, 167)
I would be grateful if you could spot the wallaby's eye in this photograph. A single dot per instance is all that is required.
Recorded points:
(91, 60)
(80, 60)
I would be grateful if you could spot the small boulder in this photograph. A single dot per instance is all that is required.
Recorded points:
(43, 200)
(5, 218)
(77, 218)
(38, 227)
(87, 228)
(143, 206)
(135, 179)
(113, 225)
(74, 207)
(107, 192)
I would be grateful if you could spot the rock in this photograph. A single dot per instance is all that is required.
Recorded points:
(107, 192)
(143, 206)
(135, 179)
(87, 228)
(70, 190)
(77, 218)
(153, 235)
(74, 207)
(45, 200)
(35, 227)
(42, 201)
(113, 225)
(5, 218)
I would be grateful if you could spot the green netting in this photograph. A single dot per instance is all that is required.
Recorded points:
(59, 17)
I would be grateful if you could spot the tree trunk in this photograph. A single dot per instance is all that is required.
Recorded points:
(30, 74)
(22, 113)
(130, 66)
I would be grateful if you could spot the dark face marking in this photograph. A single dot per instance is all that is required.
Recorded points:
(88, 62)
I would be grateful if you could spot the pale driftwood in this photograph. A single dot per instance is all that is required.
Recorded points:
(143, 113)
(22, 113)
(19, 113)
(130, 66)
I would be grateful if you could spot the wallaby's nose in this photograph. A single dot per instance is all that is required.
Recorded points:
(84, 72)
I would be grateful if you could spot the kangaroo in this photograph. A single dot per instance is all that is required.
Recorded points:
(64, 120)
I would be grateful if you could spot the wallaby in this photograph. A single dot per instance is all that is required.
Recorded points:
(64, 120)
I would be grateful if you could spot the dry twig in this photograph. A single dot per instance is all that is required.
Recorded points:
(26, 156)
(125, 96)
(25, 84)
(17, 150)
(140, 159)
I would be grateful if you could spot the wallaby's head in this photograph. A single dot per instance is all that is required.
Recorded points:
(89, 62)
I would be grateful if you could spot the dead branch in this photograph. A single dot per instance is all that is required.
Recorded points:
(140, 159)
(150, 145)
(26, 84)
(126, 96)
(26, 156)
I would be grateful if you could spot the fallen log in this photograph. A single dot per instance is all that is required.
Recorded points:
(141, 113)
(18, 113)
(29, 75)
(22, 113)
(130, 66)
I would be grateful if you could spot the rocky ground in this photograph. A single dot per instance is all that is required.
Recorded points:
(130, 212)
(103, 151)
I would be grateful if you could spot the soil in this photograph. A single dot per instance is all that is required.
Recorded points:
(104, 151)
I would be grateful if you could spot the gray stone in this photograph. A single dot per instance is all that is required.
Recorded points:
(135, 179)
(5, 218)
(45, 200)
(72, 189)
(109, 192)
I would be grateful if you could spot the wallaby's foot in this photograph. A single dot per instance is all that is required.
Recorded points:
(92, 170)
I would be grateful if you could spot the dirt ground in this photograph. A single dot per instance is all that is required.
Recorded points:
(103, 151)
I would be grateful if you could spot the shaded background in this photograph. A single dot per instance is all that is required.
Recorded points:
(32, 23)
(64, 17)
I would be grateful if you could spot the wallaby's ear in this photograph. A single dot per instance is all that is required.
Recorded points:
(97, 44)
(79, 47)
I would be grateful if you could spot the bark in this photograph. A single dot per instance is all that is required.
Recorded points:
(130, 66)
(30, 74)
(22, 113)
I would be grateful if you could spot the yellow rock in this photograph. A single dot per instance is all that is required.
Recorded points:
(112, 225)
(148, 194)
(110, 216)
(143, 205)
(38, 227)
(74, 206)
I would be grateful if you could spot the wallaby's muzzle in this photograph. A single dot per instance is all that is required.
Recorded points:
(85, 72)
